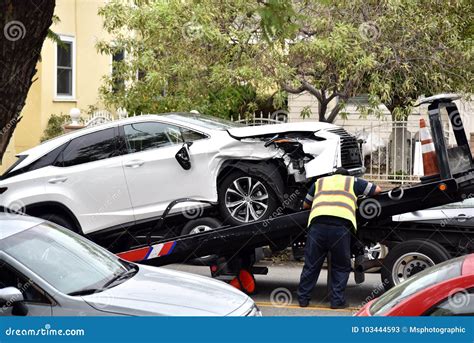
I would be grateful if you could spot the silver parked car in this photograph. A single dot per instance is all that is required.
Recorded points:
(46, 270)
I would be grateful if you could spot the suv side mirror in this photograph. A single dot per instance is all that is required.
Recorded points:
(183, 158)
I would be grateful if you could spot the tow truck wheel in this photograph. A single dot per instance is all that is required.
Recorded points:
(411, 257)
(199, 225)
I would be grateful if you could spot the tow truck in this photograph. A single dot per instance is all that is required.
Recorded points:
(236, 246)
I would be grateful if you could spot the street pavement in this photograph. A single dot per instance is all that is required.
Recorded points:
(276, 292)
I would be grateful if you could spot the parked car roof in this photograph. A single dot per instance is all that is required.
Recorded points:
(11, 224)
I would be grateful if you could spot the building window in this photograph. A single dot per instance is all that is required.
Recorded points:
(65, 67)
(118, 82)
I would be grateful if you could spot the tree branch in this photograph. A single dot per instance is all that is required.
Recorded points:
(311, 89)
(292, 90)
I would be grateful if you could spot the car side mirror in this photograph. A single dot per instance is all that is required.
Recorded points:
(183, 158)
(12, 297)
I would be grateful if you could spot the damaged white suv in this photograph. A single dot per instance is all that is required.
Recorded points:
(126, 172)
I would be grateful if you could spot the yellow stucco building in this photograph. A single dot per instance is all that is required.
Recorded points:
(67, 76)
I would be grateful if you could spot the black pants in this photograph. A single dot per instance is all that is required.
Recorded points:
(324, 238)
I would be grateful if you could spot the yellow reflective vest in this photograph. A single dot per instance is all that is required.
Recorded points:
(334, 196)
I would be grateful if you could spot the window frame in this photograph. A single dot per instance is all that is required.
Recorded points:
(123, 139)
(125, 142)
(117, 153)
(49, 299)
(63, 97)
(112, 68)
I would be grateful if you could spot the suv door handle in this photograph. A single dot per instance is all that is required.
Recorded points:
(134, 163)
(462, 217)
(59, 179)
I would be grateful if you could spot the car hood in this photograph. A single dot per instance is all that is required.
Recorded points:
(157, 291)
(253, 131)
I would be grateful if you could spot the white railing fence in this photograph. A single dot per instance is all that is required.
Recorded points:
(391, 150)
(260, 118)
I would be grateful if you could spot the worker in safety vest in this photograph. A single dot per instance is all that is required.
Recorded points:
(333, 203)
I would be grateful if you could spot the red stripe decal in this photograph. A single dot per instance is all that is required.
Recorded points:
(134, 255)
(166, 248)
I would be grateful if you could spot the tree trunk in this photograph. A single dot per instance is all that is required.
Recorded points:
(334, 112)
(23, 29)
(323, 107)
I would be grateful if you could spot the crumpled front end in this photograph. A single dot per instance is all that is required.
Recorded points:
(305, 154)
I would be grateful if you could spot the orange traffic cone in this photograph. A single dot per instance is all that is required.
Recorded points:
(430, 161)
(247, 281)
(235, 283)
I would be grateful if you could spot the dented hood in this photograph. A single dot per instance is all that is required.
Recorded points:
(261, 130)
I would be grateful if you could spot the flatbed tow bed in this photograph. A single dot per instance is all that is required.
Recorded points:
(235, 246)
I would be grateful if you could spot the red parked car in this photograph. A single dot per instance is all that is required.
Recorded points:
(446, 289)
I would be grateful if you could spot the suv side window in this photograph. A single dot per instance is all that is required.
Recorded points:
(89, 148)
(191, 136)
(11, 278)
(150, 135)
(458, 304)
(44, 161)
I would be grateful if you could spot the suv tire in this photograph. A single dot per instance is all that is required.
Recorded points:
(244, 198)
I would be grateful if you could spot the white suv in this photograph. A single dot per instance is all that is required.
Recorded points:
(124, 173)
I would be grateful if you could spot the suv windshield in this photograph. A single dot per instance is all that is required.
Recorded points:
(207, 122)
(429, 277)
(65, 260)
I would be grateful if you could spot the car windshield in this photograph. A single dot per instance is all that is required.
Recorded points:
(204, 121)
(429, 277)
(65, 260)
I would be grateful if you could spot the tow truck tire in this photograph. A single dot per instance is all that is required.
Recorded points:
(410, 257)
(199, 225)
(262, 189)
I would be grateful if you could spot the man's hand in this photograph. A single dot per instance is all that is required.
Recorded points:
(306, 206)
(377, 190)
